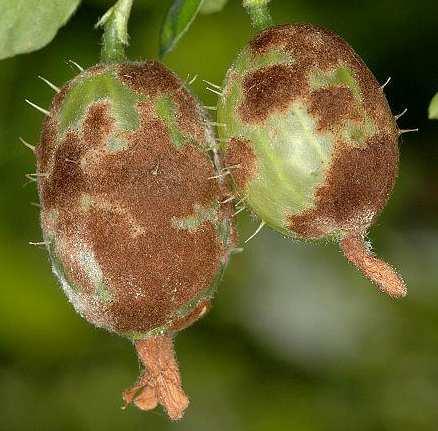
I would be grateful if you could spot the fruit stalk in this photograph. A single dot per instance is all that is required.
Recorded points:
(258, 11)
(115, 35)
(379, 272)
(161, 381)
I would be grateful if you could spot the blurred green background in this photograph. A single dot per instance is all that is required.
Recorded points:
(297, 339)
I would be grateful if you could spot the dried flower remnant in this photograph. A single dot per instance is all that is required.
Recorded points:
(136, 233)
(315, 138)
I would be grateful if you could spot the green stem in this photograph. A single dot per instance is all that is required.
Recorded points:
(258, 11)
(115, 32)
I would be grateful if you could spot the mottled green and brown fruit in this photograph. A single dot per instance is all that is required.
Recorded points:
(133, 221)
(313, 141)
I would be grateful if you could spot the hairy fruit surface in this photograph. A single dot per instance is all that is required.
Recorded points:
(136, 231)
(314, 138)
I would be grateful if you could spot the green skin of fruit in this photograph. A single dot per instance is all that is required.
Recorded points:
(294, 147)
(152, 91)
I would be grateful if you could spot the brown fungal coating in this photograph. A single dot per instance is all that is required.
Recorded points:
(310, 48)
(132, 219)
(332, 107)
(356, 188)
(269, 89)
(308, 44)
(150, 78)
(242, 160)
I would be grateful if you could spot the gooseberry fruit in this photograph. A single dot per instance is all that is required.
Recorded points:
(132, 213)
(313, 140)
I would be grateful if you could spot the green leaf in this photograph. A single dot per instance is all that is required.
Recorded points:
(433, 108)
(27, 25)
(213, 6)
(178, 20)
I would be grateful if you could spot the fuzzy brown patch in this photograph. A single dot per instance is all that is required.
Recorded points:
(270, 89)
(66, 181)
(96, 70)
(242, 161)
(374, 99)
(48, 140)
(332, 106)
(149, 78)
(156, 272)
(314, 48)
(272, 37)
(318, 47)
(58, 99)
(97, 126)
(189, 117)
(152, 79)
(358, 183)
(309, 45)
(332, 51)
